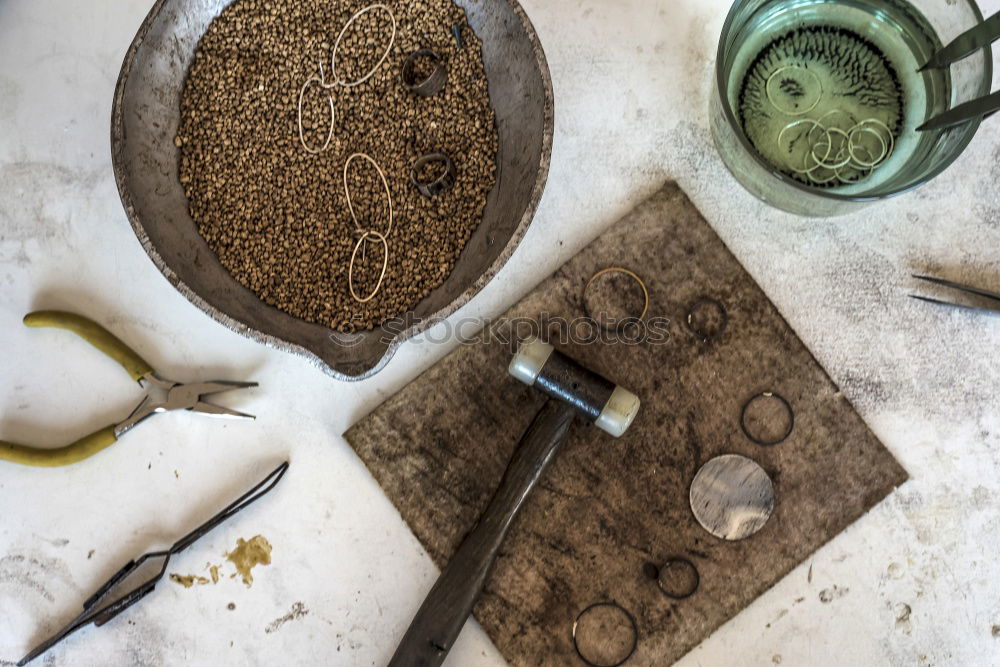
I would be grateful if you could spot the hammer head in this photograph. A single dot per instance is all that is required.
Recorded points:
(608, 406)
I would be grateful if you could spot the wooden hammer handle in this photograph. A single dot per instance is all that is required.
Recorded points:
(439, 621)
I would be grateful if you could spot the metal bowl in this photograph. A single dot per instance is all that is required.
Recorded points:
(144, 122)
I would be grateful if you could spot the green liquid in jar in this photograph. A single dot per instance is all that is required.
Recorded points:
(813, 79)
(836, 82)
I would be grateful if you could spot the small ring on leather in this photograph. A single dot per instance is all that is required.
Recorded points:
(760, 441)
(682, 594)
(635, 634)
(707, 337)
(441, 183)
(431, 84)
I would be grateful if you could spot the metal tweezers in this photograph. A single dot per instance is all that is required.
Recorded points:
(961, 47)
(99, 614)
(991, 302)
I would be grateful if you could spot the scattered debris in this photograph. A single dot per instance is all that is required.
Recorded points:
(247, 555)
(781, 615)
(90, 554)
(903, 612)
(33, 573)
(297, 611)
(996, 631)
(189, 580)
(828, 595)
(231, 606)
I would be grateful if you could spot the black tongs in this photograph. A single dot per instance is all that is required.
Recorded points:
(982, 36)
(97, 613)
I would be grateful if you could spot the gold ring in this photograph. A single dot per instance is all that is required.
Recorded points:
(630, 274)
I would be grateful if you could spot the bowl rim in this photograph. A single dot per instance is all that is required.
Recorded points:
(422, 324)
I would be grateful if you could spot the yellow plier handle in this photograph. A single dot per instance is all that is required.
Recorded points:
(61, 456)
(107, 343)
(96, 335)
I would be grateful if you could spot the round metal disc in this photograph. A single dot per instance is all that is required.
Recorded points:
(732, 497)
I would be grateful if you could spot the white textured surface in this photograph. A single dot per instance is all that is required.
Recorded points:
(632, 79)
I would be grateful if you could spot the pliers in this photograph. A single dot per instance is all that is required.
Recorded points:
(162, 395)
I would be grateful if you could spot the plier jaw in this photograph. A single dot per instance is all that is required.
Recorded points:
(191, 397)
(168, 396)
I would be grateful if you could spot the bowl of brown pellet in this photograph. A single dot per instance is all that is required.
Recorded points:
(332, 177)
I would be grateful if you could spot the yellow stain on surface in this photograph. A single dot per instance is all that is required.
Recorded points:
(189, 580)
(249, 554)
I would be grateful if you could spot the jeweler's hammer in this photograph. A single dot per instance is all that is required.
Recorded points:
(573, 391)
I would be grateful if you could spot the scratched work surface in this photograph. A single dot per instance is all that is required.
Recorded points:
(607, 508)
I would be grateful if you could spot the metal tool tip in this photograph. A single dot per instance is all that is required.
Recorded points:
(936, 302)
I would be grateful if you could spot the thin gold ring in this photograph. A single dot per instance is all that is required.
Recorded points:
(388, 50)
(630, 274)
(354, 256)
(385, 185)
(774, 75)
(333, 114)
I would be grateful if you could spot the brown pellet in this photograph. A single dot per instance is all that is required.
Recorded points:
(276, 215)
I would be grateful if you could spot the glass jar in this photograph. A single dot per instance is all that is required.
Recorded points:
(902, 35)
